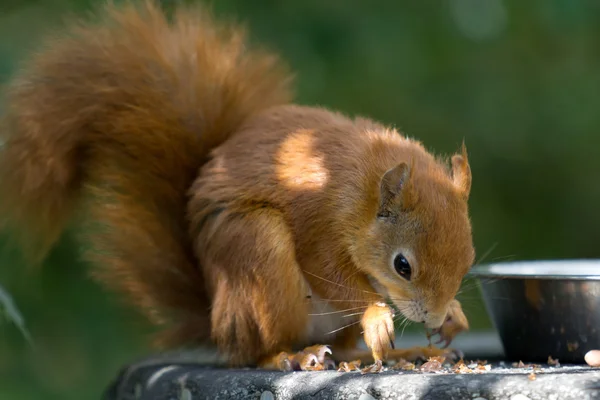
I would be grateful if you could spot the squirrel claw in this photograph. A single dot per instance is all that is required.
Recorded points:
(312, 359)
(319, 351)
(307, 362)
(455, 323)
(349, 366)
(455, 354)
(283, 362)
(424, 353)
(329, 364)
(446, 342)
(376, 368)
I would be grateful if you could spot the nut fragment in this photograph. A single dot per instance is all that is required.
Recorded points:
(473, 367)
(373, 369)
(531, 376)
(553, 362)
(404, 365)
(409, 367)
(433, 364)
(461, 368)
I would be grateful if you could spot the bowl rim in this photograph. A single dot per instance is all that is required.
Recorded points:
(583, 269)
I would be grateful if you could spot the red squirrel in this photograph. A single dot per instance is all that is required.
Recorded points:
(220, 209)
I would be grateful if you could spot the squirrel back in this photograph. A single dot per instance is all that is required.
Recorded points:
(114, 119)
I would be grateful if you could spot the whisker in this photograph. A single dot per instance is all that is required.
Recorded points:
(469, 284)
(338, 284)
(487, 253)
(471, 303)
(339, 311)
(400, 305)
(502, 298)
(405, 323)
(490, 280)
(395, 300)
(342, 301)
(343, 327)
(477, 282)
(467, 288)
(462, 298)
(504, 258)
(350, 276)
(351, 315)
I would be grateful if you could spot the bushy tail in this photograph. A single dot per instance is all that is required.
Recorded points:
(113, 119)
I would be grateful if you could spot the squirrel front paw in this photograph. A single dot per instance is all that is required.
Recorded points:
(455, 322)
(378, 325)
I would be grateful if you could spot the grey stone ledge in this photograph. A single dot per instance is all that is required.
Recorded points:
(194, 375)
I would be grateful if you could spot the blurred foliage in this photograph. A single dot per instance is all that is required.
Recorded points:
(519, 81)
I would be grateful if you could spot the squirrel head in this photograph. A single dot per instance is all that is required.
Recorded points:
(419, 246)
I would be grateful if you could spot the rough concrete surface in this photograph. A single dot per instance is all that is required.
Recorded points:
(191, 382)
(196, 375)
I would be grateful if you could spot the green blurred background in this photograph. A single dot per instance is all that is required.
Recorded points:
(518, 80)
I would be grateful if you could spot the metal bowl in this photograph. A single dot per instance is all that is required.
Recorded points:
(544, 308)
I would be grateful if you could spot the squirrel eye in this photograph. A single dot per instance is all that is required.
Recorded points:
(402, 267)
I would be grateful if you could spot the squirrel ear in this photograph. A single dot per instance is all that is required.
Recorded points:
(461, 172)
(393, 188)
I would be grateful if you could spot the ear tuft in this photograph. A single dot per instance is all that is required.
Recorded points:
(461, 172)
(394, 188)
(394, 179)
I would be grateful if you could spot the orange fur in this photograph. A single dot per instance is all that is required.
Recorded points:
(115, 118)
(220, 209)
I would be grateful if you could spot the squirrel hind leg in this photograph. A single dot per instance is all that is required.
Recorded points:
(257, 290)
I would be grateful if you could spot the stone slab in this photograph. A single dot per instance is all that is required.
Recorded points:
(199, 375)
(191, 382)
